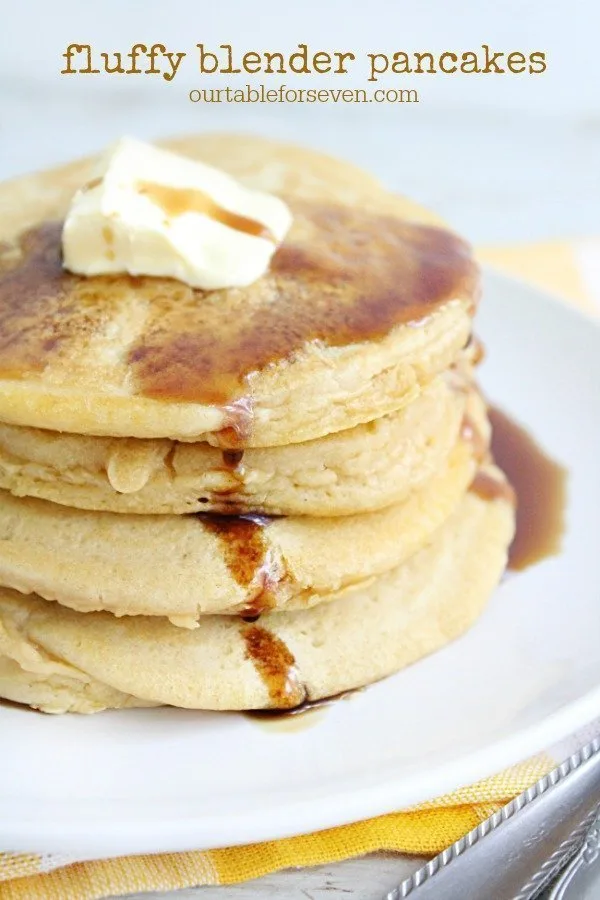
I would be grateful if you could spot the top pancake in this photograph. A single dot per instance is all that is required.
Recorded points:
(323, 341)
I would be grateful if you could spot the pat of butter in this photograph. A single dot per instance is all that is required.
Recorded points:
(151, 212)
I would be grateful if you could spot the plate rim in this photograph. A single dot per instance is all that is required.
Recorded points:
(308, 815)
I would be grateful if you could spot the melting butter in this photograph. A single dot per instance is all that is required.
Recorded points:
(151, 212)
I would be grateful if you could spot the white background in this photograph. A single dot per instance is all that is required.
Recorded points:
(504, 157)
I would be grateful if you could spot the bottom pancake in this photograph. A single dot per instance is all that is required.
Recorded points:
(59, 660)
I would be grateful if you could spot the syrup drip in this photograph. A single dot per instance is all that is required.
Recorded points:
(176, 202)
(249, 556)
(489, 487)
(232, 458)
(276, 666)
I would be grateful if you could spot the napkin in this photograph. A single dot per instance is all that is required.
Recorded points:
(569, 269)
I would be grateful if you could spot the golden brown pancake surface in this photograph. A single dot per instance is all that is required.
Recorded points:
(366, 468)
(59, 660)
(342, 277)
(345, 279)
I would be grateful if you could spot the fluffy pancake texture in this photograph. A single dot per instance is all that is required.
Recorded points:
(184, 567)
(245, 498)
(360, 309)
(360, 470)
(59, 660)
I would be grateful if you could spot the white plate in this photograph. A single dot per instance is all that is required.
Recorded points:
(527, 674)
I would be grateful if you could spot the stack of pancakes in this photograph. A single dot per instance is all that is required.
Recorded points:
(246, 498)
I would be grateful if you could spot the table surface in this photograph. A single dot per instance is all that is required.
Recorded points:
(368, 879)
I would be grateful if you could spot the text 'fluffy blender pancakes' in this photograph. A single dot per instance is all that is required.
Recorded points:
(247, 496)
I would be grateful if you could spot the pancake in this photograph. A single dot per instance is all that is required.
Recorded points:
(184, 567)
(364, 303)
(360, 470)
(59, 660)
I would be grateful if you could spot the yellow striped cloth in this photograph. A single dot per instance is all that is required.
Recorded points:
(569, 269)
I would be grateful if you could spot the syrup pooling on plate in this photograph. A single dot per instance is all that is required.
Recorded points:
(248, 555)
(276, 666)
(305, 707)
(540, 485)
